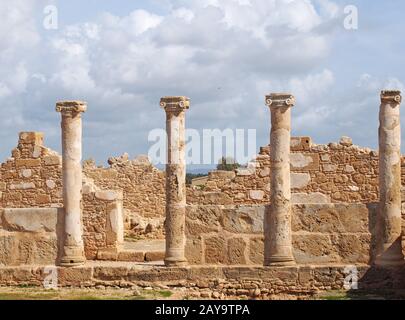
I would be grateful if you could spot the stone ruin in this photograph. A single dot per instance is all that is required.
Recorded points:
(292, 222)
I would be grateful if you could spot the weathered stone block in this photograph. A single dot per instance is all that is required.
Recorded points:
(243, 219)
(134, 256)
(193, 250)
(315, 197)
(35, 138)
(215, 250)
(108, 195)
(300, 143)
(331, 218)
(256, 250)
(28, 163)
(52, 160)
(300, 180)
(32, 219)
(304, 161)
(256, 194)
(236, 251)
(314, 248)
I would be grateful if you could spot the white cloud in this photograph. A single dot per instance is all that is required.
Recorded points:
(224, 54)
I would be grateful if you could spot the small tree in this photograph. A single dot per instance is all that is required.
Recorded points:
(227, 164)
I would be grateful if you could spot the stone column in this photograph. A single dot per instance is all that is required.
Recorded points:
(175, 108)
(73, 250)
(278, 241)
(389, 250)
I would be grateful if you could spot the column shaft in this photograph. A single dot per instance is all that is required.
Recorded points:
(389, 215)
(72, 181)
(278, 239)
(175, 180)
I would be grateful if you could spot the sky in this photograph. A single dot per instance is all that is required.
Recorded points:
(122, 56)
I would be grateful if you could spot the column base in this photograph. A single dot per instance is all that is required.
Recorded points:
(73, 256)
(72, 261)
(280, 261)
(175, 262)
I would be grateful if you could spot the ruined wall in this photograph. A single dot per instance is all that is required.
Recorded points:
(322, 234)
(142, 183)
(31, 179)
(337, 173)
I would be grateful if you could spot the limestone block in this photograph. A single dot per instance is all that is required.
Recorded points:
(215, 250)
(352, 248)
(217, 198)
(32, 219)
(325, 157)
(314, 248)
(331, 218)
(245, 171)
(35, 138)
(300, 143)
(349, 169)
(256, 250)
(247, 219)
(300, 180)
(307, 161)
(22, 186)
(193, 250)
(108, 195)
(315, 197)
(346, 141)
(50, 184)
(256, 194)
(236, 251)
(26, 173)
(329, 167)
(28, 163)
(127, 255)
(52, 160)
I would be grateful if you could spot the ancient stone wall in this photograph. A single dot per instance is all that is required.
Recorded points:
(322, 234)
(31, 179)
(142, 183)
(334, 173)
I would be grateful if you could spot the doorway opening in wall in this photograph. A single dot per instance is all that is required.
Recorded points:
(144, 239)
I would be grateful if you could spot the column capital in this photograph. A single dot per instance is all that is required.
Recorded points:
(391, 96)
(71, 107)
(175, 104)
(280, 100)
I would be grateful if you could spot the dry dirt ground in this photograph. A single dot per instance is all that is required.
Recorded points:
(35, 293)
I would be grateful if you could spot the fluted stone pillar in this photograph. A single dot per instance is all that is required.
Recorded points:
(278, 240)
(389, 251)
(175, 108)
(73, 250)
